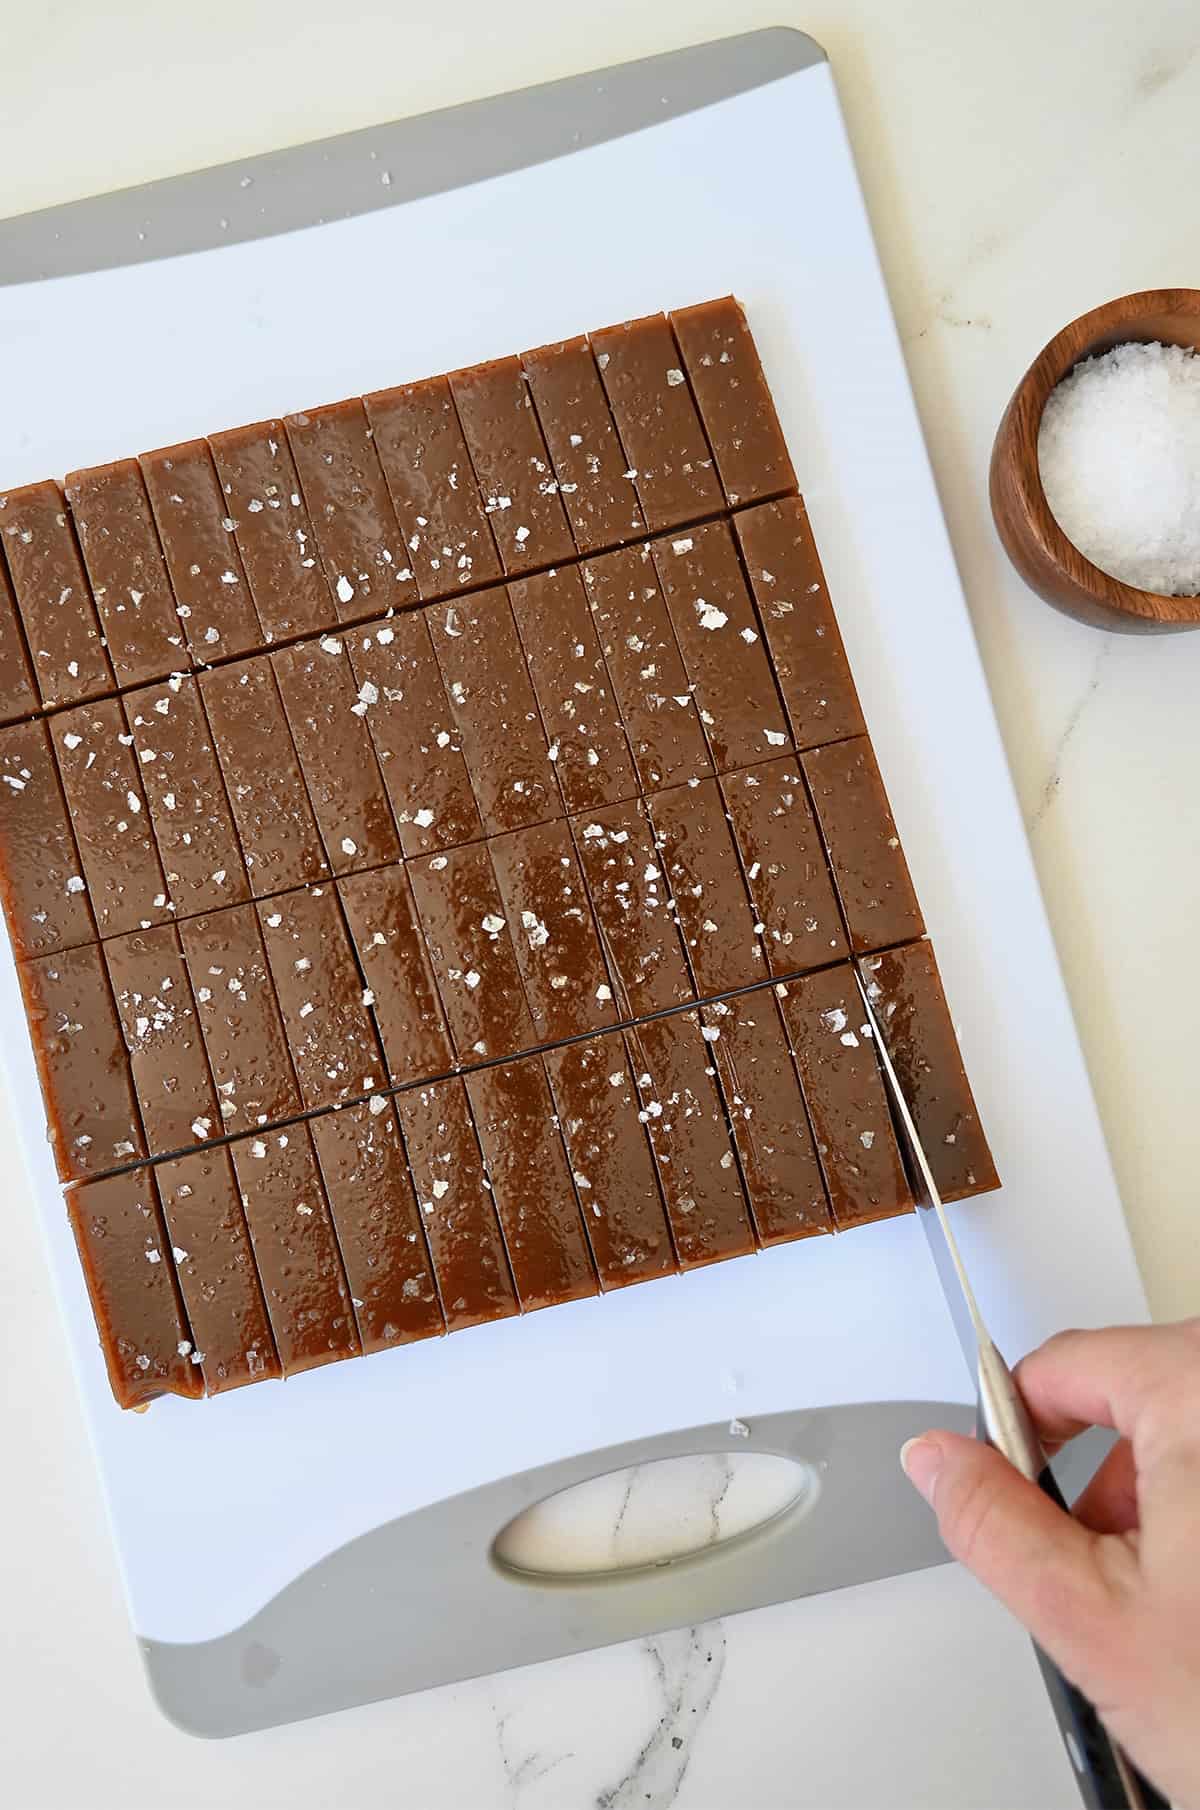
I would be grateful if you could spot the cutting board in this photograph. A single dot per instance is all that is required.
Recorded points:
(292, 1548)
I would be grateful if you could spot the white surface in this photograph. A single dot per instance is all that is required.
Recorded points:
(994, 152)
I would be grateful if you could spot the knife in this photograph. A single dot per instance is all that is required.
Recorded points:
(1107, 1778)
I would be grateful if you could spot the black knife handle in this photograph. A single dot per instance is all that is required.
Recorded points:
(1107, 1778)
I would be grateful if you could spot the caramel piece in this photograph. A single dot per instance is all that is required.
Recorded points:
(783, 859)
(275, 822)
(218, 1279)
(414, 732)
(845, 1096)
(520, 493)
(104, 794)
(166, 1052)
(272, 528)
(717, 631)
(724, 947)
(395, 963)
(558, 952)
(569, 675)
(502, 737)
(53, 595)
(798, 621)
(296, 1249)
(739, 417)
(905, 990)
(330, 1031)
(611, 1162)
(374, 1210)
(646, 668)
(878, 901)
(682, 1111)
(239, 1018)
(531, 1184)
(428, 470)
(469, 1259)
(345, 787)
(470, 943)
(196, 532)
(357, 534)
(642, 373)
(754, 1065)
(144, 1337)
(589, 460)
(128, 574)
(41, 879)
(18, 694)
(91, 1119)
(635, 914)
(189, 810)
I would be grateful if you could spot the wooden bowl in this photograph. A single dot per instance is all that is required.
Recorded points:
(1048, 562)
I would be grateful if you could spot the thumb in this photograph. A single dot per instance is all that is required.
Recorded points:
(1042, 1565)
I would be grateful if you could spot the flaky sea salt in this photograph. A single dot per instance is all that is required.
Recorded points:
(1119, 457)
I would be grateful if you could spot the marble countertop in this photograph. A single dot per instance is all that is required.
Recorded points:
(1020, 166)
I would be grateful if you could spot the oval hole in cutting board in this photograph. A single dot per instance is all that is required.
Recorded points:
(652, 1514)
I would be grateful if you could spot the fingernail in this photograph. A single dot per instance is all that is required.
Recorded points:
(921, 1461)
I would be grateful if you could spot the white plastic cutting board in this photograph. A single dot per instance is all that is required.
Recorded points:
(217, 1506)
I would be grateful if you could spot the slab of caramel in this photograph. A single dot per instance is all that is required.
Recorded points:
(403, 703)
(722, 364)
(846, 1099)
(344, 783)
(570, 678)
(611, 1162)
(717, 631)
(634, 912)
(469, 1258)
(144, 1337)
(189, 811)
(520, 492)
(214, 1263)
(196, 532)
(296, 1249)
(642, 372)
(447, 540)
(589, 460)
(103, 787)
(470, 942)
(531, 1183)
(905, 990)
(275, 823)
(128, 574)
(91, 1118)
(878, 901)
(393, 957)
(41, 878)
(330, 1031)
(239, 1018)
(357, 534)
(748, 1045)
(719, 928)
(682, 1111)
(18, 693)
(272, 529)
(798, 620)
(648, 676)
(783, 859)
(501, 733)
(378, 1226)
(53, 595)
(553, 932)
(166, 1052)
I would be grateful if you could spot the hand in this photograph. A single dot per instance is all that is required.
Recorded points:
(1113, 1593)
